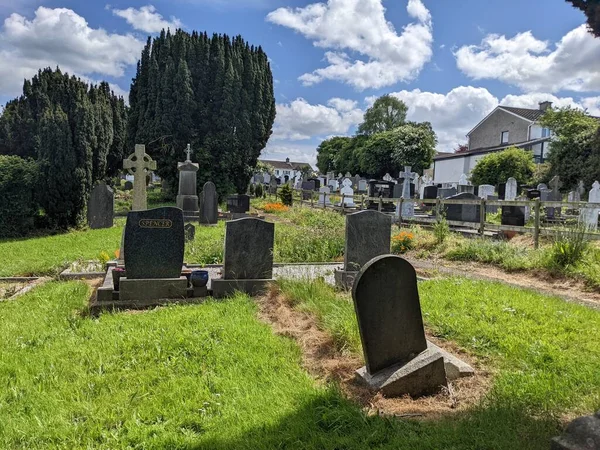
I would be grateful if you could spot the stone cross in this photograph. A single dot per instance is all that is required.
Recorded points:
(555, 184)
(188, 151)
(463, 181)
(139, 164)
(408, 208)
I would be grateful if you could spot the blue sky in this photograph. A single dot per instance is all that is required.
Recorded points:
(451, 62)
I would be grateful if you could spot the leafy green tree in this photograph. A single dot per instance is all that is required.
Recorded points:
(215, 93)
(498, 167)
(415, 146)
(575, 148)
(387, 113)
(591, 9)
(18, 183)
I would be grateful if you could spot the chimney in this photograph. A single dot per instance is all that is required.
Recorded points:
(545, 105)
(287, 160)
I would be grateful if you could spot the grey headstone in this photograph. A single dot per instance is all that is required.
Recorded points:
(485, 190)
(362, 185)
(101, 207)
(187, 198)
(209, 205)
(582, 433)
(324, 196)
(307, 186)
(542, 186)
(368, 234)
(248, 249)
(446, 192)
(463, 213)
(189, 231)
(386, 301)
(465, 189)
(511, 189)
(238, 203)
(589, 216)
(154, 243)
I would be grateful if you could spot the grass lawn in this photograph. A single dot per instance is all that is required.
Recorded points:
(212, 376)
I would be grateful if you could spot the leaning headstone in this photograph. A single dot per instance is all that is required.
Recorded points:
(446, 192)
(139, 164)
(324, 196)
(582, 433)
(100, 213)
(511, 189)
(368, 234)
(209, 205)
(463, 212)
(248, 257)
(187, 198)
(348, 193)
(398, 360)
(589, 215)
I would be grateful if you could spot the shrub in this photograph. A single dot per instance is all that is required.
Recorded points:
(568, 248)
(275, 208)
(497, 167)
(258, 191)
(18, 208)
(251, 189)
(402, 242)
(286, 195)
(441, 230)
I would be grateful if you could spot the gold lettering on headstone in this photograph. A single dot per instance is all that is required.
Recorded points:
(155, 223)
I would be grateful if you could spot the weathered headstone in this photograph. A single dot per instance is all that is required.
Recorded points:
(461, 212)
(209, 205)
(362, 185)
(139, 164)
(485, 190)
(187, 199)
(542, 186)
(511, 189)
(368, 234)
(582, 433)
(189, 232)
(248, 257)
(100, 213)
(307, 186)
(348, 192)
(581, 188)
(398, 360)
(324, 196)
(355, 181)
(589, 215)
(154, 243)
(273, 186)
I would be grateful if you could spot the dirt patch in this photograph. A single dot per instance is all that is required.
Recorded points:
(540, 281)
(322, 359)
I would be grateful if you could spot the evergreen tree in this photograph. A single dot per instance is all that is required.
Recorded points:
(215, 93)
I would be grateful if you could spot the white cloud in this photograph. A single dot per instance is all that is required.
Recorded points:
(60, 37)
(534, 99)
(592, 104)
(572, 64)
(299, 120)
(147, 19)
(360, 27)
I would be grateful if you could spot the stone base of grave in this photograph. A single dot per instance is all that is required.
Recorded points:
(425, 374)
(153, 289)
(581, 434)
(225, 288)
(455, 368)
(344, 279)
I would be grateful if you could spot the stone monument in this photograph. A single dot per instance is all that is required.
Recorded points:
(510, 192)
(408, 207)
(187, 199)
(324, 196)
(139, 164)
(209, 205)
(589, 215)
(348, 192)
(100, 213)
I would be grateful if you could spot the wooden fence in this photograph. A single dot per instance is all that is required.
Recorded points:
(536, 207)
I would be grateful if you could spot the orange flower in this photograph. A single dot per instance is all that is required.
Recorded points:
(275, 208)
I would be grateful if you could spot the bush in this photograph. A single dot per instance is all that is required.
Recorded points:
(251, 189)
(498, 167)
(286, 195)
(568, 248)
(258, 191)
(18, 208)
(441, 230)
(402, 242)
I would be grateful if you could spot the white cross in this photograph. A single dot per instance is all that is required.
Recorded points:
(139, 164)
(188, 150)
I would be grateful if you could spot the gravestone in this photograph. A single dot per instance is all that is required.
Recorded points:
(589, 215)
(368, 234)
(273, 186)
(446, 192)
(581, 188)
(502, 191)
(430, 192)
(511, 189)
(485, 190)
(100, 213)
(513, 215)
(398, 360)
(463, 180)
(209, 205)
(307, 186)
(128, 186)
(582, 433)
(408, 208)
(348, 175)
(247, 258)
(187, 199)
(555, 196)
(532, 194)
(238, 203)
(491, 209)
(463, 213)
(542, 186)
(324, 196)
(355, 181)
(317, 183)
(154, 243)
(333, 185)
(388, 177)
(348, 192)
(573, 196)
(139, 164)
(362, 185)
(189, 232)
(463, 186)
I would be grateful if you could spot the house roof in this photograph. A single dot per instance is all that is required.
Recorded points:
(478, 151)
(286, 165)
(526, 113)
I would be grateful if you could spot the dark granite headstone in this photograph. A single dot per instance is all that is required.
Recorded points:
(368, 234)
(533, 194)
(307, 186)
(101, 207)
(209, 205)
(501, 191)
(513, 215)
(189, 232)
(386, 301)
(446, 192)
(154, 243)
(463, 213)
(248, 249)
(430, 192)
(239, 203)
(397, 192)
(317, 183)
(128, 185)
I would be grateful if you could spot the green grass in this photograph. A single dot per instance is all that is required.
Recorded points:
(207, 376)
(500, 253)
(545, 352)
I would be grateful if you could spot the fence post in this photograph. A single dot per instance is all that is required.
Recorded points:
(362, 201)
(437, 207)
(482, 217)
(380, 204)
(536, 223)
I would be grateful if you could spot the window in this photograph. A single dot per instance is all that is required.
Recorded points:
(504, 138)
(545, 132)
(277, 172)
(286, 172)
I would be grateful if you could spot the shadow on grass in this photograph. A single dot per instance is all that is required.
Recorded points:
(329, 421)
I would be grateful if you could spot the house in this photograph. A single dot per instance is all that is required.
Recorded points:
(504, 127)
(287, 170)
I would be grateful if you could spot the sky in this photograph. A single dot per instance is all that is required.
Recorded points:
(451, 62)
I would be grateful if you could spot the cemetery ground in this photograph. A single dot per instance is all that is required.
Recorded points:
(278, 372)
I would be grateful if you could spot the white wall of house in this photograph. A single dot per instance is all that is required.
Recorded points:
(448, 170)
